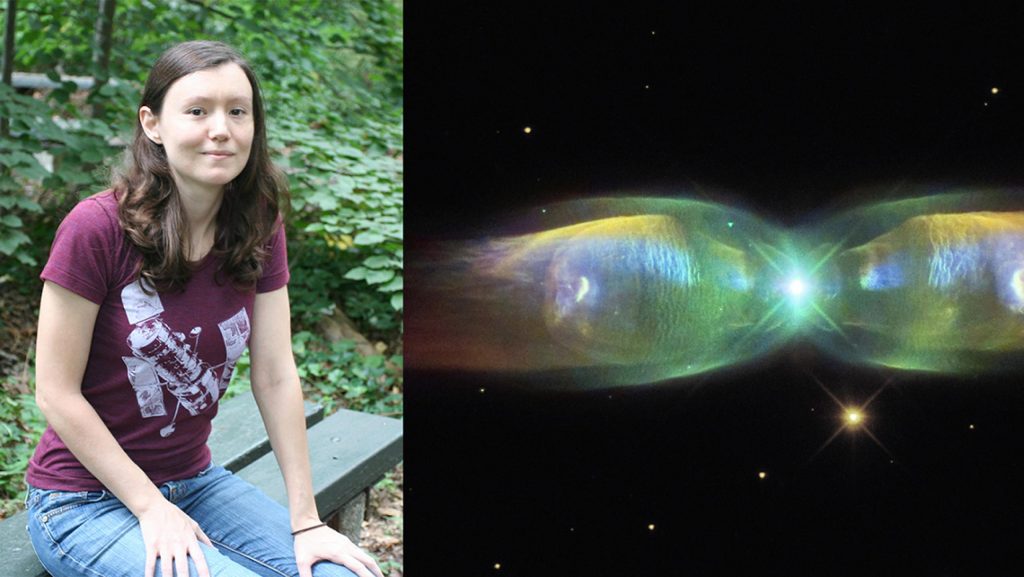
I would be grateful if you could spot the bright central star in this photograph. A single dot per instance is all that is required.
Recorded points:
(796, 287)
(854, 417)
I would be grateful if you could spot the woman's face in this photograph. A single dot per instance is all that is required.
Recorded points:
(205, 126)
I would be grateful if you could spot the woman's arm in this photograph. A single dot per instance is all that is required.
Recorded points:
(66, 322)
(275, 384)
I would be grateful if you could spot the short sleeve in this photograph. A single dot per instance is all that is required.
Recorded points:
(80, 257)
(275, 268)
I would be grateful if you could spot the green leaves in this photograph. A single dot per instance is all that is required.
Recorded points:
(21, 424)
(370, 276)
(336, 374)
(347, 196)
(11, 239)
(380, 270)
(44, 155)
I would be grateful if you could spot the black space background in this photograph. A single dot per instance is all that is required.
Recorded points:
(789, 110)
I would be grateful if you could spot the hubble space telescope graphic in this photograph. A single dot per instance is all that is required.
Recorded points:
(165, 358)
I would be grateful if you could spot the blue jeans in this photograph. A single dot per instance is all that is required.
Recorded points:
(92, 534)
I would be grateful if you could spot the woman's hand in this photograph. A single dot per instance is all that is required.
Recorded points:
(172, 536)
(326, 544)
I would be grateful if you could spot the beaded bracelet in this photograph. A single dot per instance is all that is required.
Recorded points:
(294, 533)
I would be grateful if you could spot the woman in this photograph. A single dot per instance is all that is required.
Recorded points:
(151, 293)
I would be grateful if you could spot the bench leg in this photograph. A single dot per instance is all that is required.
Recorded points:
(349, 519)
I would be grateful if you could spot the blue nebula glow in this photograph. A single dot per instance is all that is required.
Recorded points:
(885, 275)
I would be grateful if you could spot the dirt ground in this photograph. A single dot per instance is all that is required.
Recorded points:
(382, 531)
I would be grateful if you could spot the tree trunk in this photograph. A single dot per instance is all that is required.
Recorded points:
(8, 65)
(339, 327)
(102, 42)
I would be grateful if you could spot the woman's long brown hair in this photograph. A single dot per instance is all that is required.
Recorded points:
(149, 206)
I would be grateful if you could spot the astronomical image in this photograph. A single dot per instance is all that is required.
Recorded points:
(702, 289)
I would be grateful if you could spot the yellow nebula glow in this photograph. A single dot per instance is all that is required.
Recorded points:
(762, 475)
(497, 566)
(995, 90)
(527, 130)
(650, 527)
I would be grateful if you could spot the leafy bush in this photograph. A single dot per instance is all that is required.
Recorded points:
(75, 150)
(21, 425)
(336, 376)
(334, 373)
(347, 197)
(333, 90)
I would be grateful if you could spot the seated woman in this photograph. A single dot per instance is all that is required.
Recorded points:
(152, 291)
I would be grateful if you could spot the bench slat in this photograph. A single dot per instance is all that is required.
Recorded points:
(19, 560)
(348, 451)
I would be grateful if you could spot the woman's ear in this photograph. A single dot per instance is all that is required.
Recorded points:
(150, 122)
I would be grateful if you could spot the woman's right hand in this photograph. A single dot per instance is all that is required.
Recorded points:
(172, 536)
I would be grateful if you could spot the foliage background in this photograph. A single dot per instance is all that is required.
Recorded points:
(331, 74)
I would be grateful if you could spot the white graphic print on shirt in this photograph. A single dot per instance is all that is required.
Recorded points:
(163, 357)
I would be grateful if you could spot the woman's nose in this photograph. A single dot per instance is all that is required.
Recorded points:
(219, 126)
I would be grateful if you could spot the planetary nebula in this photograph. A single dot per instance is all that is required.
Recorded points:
(633, 290)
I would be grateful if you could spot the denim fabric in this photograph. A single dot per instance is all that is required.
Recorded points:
(92, 534)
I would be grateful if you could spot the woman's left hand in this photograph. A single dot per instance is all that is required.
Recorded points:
(326, 544)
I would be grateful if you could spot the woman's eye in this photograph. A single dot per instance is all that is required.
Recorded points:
(195, 111)
(238, 112)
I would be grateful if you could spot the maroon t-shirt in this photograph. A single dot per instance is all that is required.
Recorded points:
(158, 363)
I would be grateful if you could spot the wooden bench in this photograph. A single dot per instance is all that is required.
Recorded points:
(349, 453)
